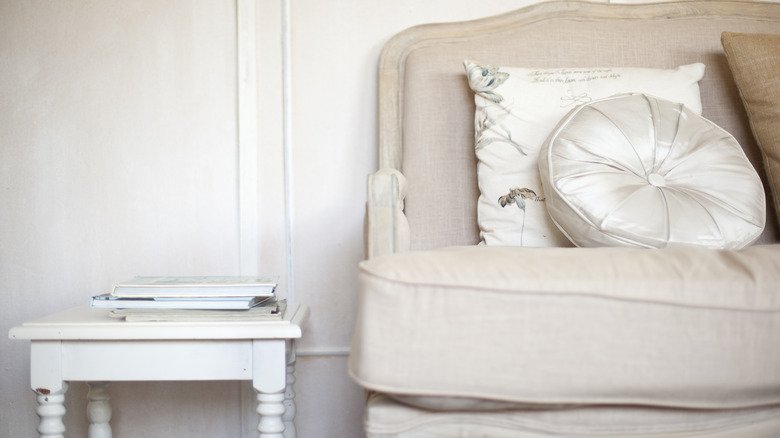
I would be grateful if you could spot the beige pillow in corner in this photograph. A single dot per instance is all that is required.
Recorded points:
(754, 60)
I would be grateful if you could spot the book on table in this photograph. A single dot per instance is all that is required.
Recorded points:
(271, 310)
(224, 286)
(109, 301)
(189, 293)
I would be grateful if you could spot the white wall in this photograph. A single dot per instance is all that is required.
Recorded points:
(119, 156)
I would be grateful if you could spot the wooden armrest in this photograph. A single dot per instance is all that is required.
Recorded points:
(386, 227)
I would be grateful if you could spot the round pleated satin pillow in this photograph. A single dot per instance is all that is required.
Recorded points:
(634, 170)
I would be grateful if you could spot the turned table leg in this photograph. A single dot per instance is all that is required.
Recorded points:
(289, 396)
(46, 380)
(271, 408)
(99, 410)
(269, 381)
(51, 410)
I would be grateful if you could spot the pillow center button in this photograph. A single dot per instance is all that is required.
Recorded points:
(656, 180)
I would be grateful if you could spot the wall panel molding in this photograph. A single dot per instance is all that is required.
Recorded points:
(248, 181)
(289, 211)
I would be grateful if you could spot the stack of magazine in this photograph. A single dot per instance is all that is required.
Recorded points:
(192, 298)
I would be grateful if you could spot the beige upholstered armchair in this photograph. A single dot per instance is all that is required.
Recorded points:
(463, 332)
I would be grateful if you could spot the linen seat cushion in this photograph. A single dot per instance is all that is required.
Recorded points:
(389, 417)
(685, 327)
(636, 170)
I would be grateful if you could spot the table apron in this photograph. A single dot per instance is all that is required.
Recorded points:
(157, 360)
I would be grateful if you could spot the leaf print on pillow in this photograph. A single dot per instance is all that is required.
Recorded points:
(488, 128)
(484, 79)
(518, 196)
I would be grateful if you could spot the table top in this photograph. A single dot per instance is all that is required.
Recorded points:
(85, 323)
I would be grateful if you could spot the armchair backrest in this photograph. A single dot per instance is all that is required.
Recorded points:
(426, 109)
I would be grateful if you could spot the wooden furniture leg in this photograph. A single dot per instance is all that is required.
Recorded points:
(46, 380)
(99, 410)
(289, 395)
(269, 380)
(51, 410)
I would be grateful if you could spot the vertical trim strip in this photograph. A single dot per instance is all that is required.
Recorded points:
(247, 211)
(248, 214)
(287, 145)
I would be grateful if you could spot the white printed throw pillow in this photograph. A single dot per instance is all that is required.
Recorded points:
(517, 109)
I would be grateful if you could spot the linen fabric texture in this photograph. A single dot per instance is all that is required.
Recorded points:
(388, 417)
(634, 170)
(517, 109)
(754, 60)
(573, 325)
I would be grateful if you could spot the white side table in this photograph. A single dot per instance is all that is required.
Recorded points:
(84, 344)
